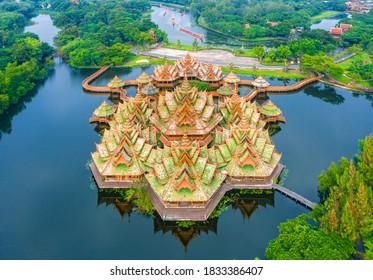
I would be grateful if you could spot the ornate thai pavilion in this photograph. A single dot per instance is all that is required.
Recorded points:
(183, 141)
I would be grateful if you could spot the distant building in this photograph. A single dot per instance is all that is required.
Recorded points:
(356, 7)
(345, 26)
(336, 32)
(246, 26)
(300, 29)
(272, 23)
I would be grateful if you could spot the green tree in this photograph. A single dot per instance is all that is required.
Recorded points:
(347, 226)
(271, 55)
(298, 240)
(258, 52)
(319, 64)
(26, 48)
(195, 44)
(328, 179)
(283, 52)
(4, 102)
(365, 164)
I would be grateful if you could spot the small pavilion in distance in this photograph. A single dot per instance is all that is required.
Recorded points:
(190, 147)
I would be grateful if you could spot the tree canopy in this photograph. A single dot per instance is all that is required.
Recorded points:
(23, 56)
(344, 215)
(98, 33)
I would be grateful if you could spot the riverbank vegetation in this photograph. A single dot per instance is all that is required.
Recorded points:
(342, 222)
(96, 33)
(23, 57)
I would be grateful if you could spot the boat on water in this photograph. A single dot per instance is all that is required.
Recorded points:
(199, 36)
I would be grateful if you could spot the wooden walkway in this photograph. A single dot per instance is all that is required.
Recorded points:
(104, 90)
(278, 89)
(294, 196)
(294, 87)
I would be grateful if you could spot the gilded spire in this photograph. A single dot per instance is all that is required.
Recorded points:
(244, 124)
(185, 141)
(139, 97)
(235, 98)
(127, 125)
(185, 86)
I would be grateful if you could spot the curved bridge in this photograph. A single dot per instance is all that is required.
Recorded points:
(278, 89)
(100, 89)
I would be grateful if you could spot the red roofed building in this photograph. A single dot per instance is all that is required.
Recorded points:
(246, 26)
(345, 26)
(336, 32)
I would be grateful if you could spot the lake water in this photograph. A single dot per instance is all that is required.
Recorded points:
(46, 33)
(48, 209)
(328, 23)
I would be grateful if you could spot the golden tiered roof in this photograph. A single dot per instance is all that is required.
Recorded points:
(116, 82)
(149, 89)
(104, 110)
(232, 78)
(210, 72)
(187, 66)
(165, 73)
(184, 173)
(270, 109)
(184, 109)
(225, 90)
(260, 82)
(144, 78)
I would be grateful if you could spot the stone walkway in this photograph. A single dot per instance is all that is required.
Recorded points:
(220, 57)
(214, 56)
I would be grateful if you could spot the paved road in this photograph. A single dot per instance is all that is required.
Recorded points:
(223, 58)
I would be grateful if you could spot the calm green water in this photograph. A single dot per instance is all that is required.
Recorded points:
(49, 211)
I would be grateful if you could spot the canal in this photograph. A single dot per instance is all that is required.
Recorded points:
(50, 209)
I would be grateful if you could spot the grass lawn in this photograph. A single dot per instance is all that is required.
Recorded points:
(272, 63)
(246, 53)
(269, 73)
(341, 78)
(360, 56)
(132, 61)
(323, 15)
(365, 83)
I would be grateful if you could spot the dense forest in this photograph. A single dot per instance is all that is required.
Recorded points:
(342, 222)
(96, 33)
(22, 56)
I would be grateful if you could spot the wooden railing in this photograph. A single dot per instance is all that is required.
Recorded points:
(292, 87)
(96, 119)
(245, 83)
(275, 89)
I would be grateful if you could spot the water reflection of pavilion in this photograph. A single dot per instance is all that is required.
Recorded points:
(246, 204)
